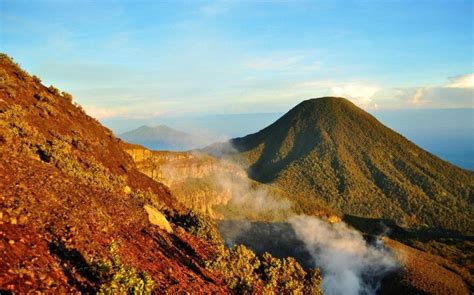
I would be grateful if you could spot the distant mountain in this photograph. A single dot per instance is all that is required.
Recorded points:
(162, 137)
(329, 150)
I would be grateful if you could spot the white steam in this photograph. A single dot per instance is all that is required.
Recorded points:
(252, 198)
(348, 263)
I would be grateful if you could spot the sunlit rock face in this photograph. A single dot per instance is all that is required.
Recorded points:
(190, 176)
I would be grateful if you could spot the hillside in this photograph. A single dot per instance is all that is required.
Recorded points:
(329, 149)
(75, 213)
(162, 137)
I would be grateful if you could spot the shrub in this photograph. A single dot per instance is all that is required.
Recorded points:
(46, 109)
(313, 282)
(244, 272)
(238, 266)
(286, 276)
(36, 79)
(67, 96)
(147, 197)
(12, 120)
(58, 151)
(53, 90)
(198, 225)
(116, 278)
(81, 109)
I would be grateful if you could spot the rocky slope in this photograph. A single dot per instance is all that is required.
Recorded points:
(72, 215)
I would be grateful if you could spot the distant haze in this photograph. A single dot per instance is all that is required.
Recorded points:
(447, 133)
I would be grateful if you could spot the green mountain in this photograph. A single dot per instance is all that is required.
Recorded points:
(331, 151)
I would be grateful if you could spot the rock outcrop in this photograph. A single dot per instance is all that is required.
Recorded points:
(192, 177)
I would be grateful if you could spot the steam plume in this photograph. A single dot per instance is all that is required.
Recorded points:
(349, 264)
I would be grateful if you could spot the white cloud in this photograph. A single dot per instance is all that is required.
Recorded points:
(462, 81)
(443, 97)
(425, 97)
(140, 110)
(418, 99)
(359, 94)
(458, 93)
(102, 112)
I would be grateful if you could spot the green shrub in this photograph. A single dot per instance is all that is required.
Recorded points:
(67, 96)
(88, 170)
(116, 278)
(147, 197)
(12, 120)
(80, 108)
(313, 282)
(197, 224)
(238, 266)
(53, 90)
(286, 276)
(36, 79)
(244, 272)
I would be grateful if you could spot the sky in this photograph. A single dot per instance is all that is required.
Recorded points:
(146, 59)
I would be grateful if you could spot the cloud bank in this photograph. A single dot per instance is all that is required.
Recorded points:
(462, 81)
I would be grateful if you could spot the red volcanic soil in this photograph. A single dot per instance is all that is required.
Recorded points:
(68, 190)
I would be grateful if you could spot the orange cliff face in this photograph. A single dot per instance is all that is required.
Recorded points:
(192, 177)
(174, 167)
(69, 191)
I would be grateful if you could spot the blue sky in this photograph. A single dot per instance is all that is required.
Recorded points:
(139, 59)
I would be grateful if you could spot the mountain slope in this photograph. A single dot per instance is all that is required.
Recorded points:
(75, 213)
(163, 137)
(328, 149)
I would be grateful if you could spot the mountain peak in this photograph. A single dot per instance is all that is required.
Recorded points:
(319, 121)
(327, 100)
(328, 107)
(336, 152)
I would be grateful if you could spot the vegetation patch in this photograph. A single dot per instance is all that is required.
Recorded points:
(116, 278)
(198, 225)
(246, 273)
